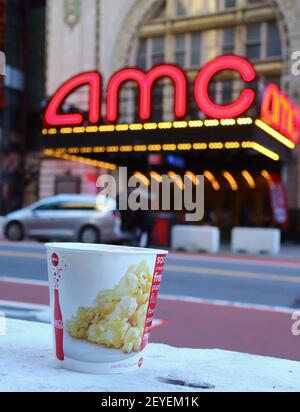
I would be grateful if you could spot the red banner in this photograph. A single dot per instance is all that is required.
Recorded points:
(279, 201)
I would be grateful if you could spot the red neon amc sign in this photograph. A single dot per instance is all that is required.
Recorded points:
(277, 110)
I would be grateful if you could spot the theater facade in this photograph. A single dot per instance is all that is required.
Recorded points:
(187, 98)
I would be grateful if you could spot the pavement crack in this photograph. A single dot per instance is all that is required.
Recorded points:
(178, 382)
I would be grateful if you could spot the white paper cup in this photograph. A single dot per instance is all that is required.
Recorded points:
(102, 304)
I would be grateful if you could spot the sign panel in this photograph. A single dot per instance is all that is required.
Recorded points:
(279, 201)
(145, 82)
(278, 111)
(280, 117)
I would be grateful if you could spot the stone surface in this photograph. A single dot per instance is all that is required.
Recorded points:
(27, 364)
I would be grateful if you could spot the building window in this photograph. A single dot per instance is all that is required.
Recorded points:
(128, 103)
(253, 42)
(151, 52)
(211, 44)
(142, 55)
(273, 40)
(213, 91)
(263, 41)
(250, 2)
(188, 50)
(180, 50)
(196, 50)
(158, 102)
(196, 7)
(228, 43)
(227, 91)
(182, 7)
(194, 111)
(228, 4)
(158, 51)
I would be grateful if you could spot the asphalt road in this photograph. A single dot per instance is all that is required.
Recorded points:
(234, 303)
(254, 281)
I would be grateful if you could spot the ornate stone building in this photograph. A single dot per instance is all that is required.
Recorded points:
(107, 35)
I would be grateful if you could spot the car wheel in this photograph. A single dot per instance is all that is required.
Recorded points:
(89, 234)
(14, 232)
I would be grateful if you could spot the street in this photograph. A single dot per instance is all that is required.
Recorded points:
(235, 303)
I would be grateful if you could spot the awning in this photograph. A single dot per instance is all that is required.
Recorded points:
(99, 143)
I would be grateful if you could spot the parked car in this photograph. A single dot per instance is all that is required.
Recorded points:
(87, 219)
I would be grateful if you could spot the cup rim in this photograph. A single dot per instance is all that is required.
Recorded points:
(98, 248)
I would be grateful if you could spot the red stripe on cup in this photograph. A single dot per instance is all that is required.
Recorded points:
(58, 327)
(156, 281)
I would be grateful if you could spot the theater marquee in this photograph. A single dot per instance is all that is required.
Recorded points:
(274, 133)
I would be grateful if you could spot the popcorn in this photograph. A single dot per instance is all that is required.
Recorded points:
(138, 318)
(128, 285)
(118, 317)
(106, 301)
(78, 326)
(132, 341)
(124, 309)
(108, 333)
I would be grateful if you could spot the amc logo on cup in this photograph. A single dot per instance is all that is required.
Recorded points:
(103, 300)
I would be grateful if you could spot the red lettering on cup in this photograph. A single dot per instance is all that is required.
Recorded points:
(158, 270)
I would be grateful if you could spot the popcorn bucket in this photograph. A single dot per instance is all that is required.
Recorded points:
(102, 304)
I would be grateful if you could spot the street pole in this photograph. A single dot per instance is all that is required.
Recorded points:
(2, 63)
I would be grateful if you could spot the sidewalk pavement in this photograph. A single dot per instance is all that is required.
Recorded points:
(288, 251)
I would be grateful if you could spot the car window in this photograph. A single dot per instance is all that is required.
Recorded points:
(46, 207)
(84, 206)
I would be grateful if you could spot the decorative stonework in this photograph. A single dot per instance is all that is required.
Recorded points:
(135, 18)
(72, 12)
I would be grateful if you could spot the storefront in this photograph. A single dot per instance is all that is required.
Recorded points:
(240, 147)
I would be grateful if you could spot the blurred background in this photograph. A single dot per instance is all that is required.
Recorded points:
(234, 302)
(47, 43)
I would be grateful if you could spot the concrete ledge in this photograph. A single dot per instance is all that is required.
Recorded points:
(196, 238)
(252, 240)
(26, 359)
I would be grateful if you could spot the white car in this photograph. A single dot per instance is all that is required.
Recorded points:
(87, 219)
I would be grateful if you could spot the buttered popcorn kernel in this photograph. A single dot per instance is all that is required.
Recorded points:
(132, 341)
(108, 333)
(123, 309)
(78, 326)
(118, 317)
(129, 283)
(106, 302)
(139, 317)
